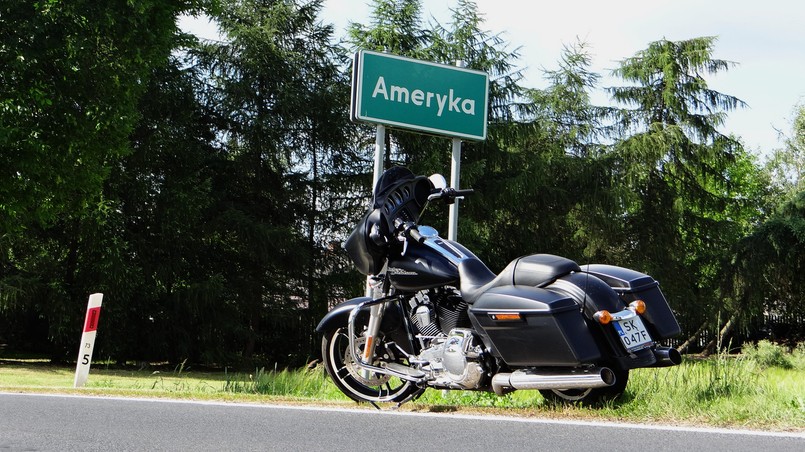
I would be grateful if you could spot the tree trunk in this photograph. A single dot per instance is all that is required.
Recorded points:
(684, 347)
(715, 344)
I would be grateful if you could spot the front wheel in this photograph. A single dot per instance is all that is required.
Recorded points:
(589, 396)
(352, 381)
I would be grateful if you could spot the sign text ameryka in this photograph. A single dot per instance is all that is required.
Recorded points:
(419, 95)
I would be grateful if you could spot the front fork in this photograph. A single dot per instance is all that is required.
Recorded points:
(375, 317)
(377, 307)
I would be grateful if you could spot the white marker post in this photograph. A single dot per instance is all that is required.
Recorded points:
(88, 340)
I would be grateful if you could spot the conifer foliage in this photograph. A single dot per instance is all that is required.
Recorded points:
(205, 186)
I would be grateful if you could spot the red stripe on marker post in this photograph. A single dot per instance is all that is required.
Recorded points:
(91, 323)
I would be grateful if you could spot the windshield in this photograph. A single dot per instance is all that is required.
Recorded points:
(388, 180)
(398, 195)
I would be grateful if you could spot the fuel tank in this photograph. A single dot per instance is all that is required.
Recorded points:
(421, 267)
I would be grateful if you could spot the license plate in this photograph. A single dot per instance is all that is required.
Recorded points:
(633, 333)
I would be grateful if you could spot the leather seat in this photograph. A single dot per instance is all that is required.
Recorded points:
(536, 270)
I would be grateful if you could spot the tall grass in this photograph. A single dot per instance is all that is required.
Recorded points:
(306, 383)
(748, 390)
(767, 354)
(752, 389)
(762, 388)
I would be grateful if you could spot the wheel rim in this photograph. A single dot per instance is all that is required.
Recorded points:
(354, 371)
(590, 395)
(350, 379)
(572, 395)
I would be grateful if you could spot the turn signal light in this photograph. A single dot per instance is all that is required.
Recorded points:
(603, 317)
(505, 316)
(638, 306)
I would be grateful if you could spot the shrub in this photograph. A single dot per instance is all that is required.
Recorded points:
(798, 356)
(767, 354)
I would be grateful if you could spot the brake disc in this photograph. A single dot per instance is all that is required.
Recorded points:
(357, 373)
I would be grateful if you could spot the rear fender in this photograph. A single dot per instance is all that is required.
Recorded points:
(632, 285)
(595, 294)
(590, 292)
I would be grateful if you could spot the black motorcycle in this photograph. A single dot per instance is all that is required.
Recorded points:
(438, 318)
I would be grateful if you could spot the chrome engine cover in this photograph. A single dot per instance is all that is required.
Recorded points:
(453, 361)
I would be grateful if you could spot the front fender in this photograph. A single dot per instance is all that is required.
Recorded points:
(393, 324)
(339, 315)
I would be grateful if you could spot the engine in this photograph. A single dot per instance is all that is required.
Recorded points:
(454, 360)
(450, 354)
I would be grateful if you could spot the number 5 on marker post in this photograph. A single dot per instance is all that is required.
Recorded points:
(88, 339)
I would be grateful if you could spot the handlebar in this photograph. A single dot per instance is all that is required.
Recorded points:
(408, 229)
(450, 194)
(414, 234)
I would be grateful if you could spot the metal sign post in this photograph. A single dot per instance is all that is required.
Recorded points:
(422, 96)
(455, 175)
(455, 178)
(380, 150)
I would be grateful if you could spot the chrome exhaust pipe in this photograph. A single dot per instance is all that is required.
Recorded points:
(667, 357)
(596, 377)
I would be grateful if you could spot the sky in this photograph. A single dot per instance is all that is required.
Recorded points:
(765, 38)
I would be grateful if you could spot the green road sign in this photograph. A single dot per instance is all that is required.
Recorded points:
(419, 95)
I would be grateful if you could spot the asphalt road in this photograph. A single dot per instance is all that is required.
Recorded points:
(30, 422)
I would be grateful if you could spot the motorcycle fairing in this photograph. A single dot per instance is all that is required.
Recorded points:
(398, 195)
(366, 246)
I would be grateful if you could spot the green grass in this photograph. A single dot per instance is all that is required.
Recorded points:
(746, 391)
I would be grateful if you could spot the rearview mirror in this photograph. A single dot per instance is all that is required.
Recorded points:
(438, 181)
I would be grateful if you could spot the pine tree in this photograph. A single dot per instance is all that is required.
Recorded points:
(279, 94)
(678, 171)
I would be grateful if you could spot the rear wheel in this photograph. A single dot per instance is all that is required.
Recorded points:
(350, 379)
(589, 396)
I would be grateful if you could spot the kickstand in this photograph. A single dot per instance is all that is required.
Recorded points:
(397, 406)
(411, 397)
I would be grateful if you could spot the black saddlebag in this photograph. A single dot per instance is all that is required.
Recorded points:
(632, 285)
(529, 326)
